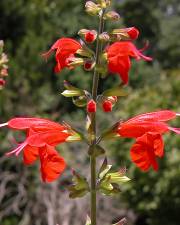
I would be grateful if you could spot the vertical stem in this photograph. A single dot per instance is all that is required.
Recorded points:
(93, 122)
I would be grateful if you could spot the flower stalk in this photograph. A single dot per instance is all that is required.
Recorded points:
(93, 122)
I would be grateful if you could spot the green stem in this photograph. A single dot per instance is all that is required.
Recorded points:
(93, 123)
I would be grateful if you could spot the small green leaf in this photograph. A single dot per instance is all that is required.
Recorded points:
(116, 91)
(72, 93)
(80, 186)
(74, 137)
(105, 171)
(77, 193)
(80, 181)
(103, 166)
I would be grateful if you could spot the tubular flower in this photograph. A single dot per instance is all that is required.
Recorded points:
(147, 129)
(146, 149)
(119, 54)
(148, 122)
(65, 48)
(42, 136)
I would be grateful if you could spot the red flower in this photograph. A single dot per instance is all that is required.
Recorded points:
(65, 48)
(119, 55)
(148, 122)
(146, 149)
(42, 136)
(147, 129)
(91, 106)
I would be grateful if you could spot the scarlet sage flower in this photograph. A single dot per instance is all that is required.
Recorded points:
(42, 136)
(39, 132)
(146, 149)
(65, 48)
(119, 54)
(148, 122)
(147, 129)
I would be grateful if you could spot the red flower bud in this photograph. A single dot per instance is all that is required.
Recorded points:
(89, 65)
(133, 33)
(107, 106)
(90, 36)
(91, 106)
(2, 82)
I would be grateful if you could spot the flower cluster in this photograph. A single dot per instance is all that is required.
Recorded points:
(42, 136)
(3, 65)
(114, 51)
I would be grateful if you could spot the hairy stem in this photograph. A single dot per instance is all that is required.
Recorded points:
(93, 123)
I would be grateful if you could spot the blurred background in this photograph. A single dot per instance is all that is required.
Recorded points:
(29, 27)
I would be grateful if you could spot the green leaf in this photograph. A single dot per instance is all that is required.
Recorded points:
(72, 93)
(80, 186)
(116, 91)
(103, 166)
(77, 193)
(105, 171)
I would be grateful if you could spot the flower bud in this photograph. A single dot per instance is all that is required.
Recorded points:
(102, 3)
(92, 8)
(108, 103)
(4, 58)
(104, 37)
(112, 15)
(133, 33)
(4, 72)
(108, 2)
(107, 106)
(88, 35)
(91, 106)
(89, 65)
(2, 82)
(126, 33)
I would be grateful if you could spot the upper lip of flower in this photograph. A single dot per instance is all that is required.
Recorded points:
(152, 122)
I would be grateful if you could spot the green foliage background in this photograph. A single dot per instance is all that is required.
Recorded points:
(30, 27)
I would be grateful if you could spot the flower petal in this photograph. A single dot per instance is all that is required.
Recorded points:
(53, 138)
(138, 128)
(38, 124)
(161, 116)
(30, 154)
(52, 165)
